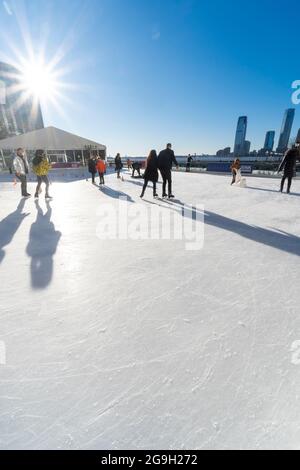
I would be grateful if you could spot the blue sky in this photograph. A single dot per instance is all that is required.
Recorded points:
(146, 72)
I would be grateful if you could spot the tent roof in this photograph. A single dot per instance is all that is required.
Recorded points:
(49, 138)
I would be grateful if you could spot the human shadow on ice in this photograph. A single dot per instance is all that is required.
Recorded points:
(115, 194)
(271, 191)
(275, 238)
(9, 226)
(42, 245)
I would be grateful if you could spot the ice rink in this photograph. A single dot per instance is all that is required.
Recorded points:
(125, 344)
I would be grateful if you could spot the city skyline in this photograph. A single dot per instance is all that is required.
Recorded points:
(175, 71)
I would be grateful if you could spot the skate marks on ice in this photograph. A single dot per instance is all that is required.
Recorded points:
(273, 238)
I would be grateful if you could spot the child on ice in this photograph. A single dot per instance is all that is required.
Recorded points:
(101, 167)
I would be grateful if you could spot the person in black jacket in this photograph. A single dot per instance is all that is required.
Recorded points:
(136, 167)
(118, 164)
(288, 165)
(92, 168)
(151, 173)
(166, 159)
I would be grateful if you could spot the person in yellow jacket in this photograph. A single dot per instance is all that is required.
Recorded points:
(41, 167)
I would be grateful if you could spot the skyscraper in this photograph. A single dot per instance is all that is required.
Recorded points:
(18, 114)
(247, 147)
(240, 136)
(286, 129)
(269, 141)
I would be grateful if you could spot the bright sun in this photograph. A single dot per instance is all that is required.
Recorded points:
(39, 80)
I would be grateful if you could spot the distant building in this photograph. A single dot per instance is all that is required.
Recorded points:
(17, 114)
(286, 129)
(247, 146)
(240, 136)
(269, 141)
(224, 152)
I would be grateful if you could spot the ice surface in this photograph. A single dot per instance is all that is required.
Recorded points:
(142, 344)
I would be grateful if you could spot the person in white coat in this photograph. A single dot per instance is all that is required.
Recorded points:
(21, 169)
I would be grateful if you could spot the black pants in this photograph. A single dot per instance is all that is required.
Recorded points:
(145, 186)
(93, 177)
(167, 178)
(42, 179)
(139, 172)
(101, 176)
(233, 177)
(23, 179)
(188, 168)
(290, 179)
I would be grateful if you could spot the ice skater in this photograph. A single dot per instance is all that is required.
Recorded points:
(235, 168)
(41, 167)
(189, 164)
(101, 167)
(92, 168)
(136, 167)
(166, 159)
(21, 169)
(151, 173)
(288, 165)
(118, 165)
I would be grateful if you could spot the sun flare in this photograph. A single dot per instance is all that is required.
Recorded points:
(39, 81)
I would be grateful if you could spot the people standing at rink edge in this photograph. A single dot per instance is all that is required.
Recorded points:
(118, 165)
(92, 167)
(151, 173)
(101, 167)
(288, 165)
(166, 159)
(41, 167)
(21, 169)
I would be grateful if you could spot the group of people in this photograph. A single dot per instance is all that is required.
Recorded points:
(162, 163)
(97, 165)
(155, 163)
(40, 166)
(287, 165)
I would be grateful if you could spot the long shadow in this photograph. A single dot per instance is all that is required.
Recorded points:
(9, 226)
(271, 191)
(140, 182)
(115, 194)
(42, 245)
(274, 238)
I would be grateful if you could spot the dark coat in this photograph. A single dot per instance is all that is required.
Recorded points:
(288, 164)
(166, 159)
(92, 166)
(151, 172)
(118, 163)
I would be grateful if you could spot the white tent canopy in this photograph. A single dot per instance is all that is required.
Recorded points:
(49, 138)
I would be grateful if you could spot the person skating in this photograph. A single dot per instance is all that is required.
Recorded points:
(136, 167)
(118, 164)
(189, 163)
(288, 165)
(235, 167)
(41, 167)
(101, 167)
(21, 169)
(151, 172)
(166, 159)
(92, 168)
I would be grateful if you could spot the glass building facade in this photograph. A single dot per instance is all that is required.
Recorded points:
(17, 114)
(269, 141)
(286, 129)
(240, 137)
